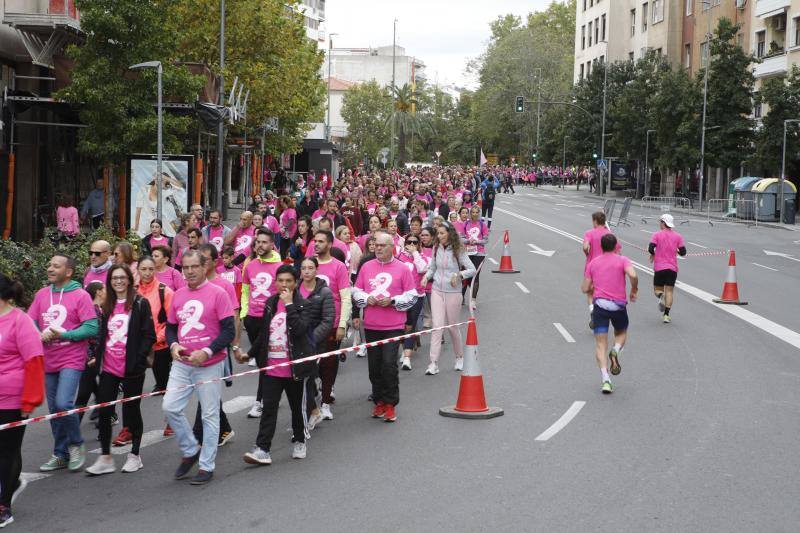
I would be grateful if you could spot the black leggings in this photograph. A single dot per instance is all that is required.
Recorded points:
(486, 212)
(412, 317)
(107, 391)
(476, 261)
(273, 390)
(87, 388)
(10, 455)
(162, 362)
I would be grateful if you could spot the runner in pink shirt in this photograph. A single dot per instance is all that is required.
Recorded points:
(592, 249)
(605, 281)
(665, 246)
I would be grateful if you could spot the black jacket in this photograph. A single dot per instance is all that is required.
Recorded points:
(147, 249)
(301, 327)
(141, 337)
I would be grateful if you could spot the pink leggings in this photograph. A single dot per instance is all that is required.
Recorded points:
(445, 309)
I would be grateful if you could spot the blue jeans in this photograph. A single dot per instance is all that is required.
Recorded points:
(208, 395)
(62, 388)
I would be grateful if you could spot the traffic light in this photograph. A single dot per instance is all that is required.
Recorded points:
(520, 104)
(594, 156)
(533, 156)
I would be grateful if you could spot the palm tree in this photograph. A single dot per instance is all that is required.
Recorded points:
(405, 119)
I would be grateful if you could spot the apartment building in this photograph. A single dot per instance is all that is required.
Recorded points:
(700, 15)
(775, 38)
(620, 30)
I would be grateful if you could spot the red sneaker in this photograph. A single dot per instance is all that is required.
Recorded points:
(388, 414)
(380, 409)
(124, 437)
(168, 432)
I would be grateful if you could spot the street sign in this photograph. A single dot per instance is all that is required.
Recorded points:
(438, 154)
(602, 164)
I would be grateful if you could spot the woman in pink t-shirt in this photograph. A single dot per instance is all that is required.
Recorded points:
(21, 385)
(127, 334)
(67, 218)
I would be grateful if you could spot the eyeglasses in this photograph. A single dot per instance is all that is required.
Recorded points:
(92, 252)
(119, 278)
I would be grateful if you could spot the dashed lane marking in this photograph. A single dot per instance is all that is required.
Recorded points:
(522, 287)
(698, 245)
(765, 266)
(564, 333)
(562, 422)
(493, 261)
(30, 477)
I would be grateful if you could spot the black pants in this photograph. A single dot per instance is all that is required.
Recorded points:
(97, 220)
(486, 212)
(162, 362)
(329, 369)
(252, 326)
(382, 362)
(107, 391)
(476, 261)
(197, 429)
(10, 455)
(273, 389)
(412, 317)
(87, 388)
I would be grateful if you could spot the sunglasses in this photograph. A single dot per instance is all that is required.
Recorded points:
(92, 252)
(412, 242)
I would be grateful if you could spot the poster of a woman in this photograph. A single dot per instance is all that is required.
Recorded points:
(144, 193)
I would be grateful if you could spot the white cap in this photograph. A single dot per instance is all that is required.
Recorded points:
(667, 219)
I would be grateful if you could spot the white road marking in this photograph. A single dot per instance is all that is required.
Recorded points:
(765, 266)
(698, 245)
(522, 287)
(240, 403)
(564, 333)
(493, 261)
(504, 202)
(645, 231)
(541, 251)
(785, 256)
(562, 422)
(764, 324)
(556, 209)
(30, 477)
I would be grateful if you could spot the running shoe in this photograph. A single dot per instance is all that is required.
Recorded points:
(313, 420)
(103, 465)
(389, 414)
(186, 465)
(459, 366)
(613, 357)
(299, 451)
(22, 484)
(77, 457)
(256, 410)
(252, 362)
(114, 419)
(661, 304)
(132, 464)
(405, 363)
(257, 456)
(666, 319)
(202, 477)
(432, 369)
(168, 431)
(124, 437)
(379, 411)
(325, 411)
(608, 388)
(6, 518)
(362, 352)
(54, 463)
(225, 437)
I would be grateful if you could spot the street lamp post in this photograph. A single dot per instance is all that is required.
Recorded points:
(603, 134)
(783, 167)
(328, 124)
(708, 5)
(220, 198)
(647, 163)
(159, 149)
(394, 54)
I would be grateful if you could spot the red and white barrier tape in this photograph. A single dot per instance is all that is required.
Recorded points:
(78, 410)
(690, 254)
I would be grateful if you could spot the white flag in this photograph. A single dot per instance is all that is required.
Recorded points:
(483, 158)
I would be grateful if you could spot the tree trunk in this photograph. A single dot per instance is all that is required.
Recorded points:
(401, 147)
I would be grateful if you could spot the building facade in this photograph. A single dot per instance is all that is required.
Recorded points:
(359, 65)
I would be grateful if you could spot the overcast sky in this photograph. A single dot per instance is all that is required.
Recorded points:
(444, 34)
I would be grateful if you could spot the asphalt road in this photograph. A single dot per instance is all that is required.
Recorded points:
(699, 435)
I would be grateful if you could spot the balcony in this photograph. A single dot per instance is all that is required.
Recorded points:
(769, 8)
(772, 65)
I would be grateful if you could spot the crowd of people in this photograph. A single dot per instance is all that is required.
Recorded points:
(366, 258)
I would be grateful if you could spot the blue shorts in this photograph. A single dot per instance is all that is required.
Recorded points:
(602, 317)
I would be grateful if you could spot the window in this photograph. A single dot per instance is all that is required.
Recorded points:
(590, 33)
(689, 7)
(761, 37)
(584, 5)
(644, 17)
(796, 31)
(583, 37)
(633, 22)
(740, 40)
(596, 31)
(704, 54)
(588, 68)
(603, 31)
(687, 55)
(602, 59)
(658, 11)
(660, 51)
(756, 107)
(630, 56)
(581, 77)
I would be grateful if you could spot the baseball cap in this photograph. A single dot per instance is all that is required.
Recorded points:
(667, 219)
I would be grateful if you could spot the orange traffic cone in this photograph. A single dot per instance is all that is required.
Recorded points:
(471, 401)
(505, 262)
(730, 290)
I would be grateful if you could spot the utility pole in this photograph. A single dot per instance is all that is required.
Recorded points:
(328, 124)
(538, 109)
(394, 57)
(705, 103)
(603, 134)
(220, 197)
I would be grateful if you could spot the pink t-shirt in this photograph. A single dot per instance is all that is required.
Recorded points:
(68, 221)
(227, 286)
(243, 244)
(215, 237)
(158, 241)
(667, 243)
(271, 223)
(232, 274)
(311, 250)
(459, 226)
(261, 278)
(19, 343)
(362, 241)
(116, 340)
(62, 311)
(335, 274)
(90, 277)
(278, 348)
(288, 222)
(384, 281)
(409, 262)
(607, 273)
(198, 313)
(476, 231)
(171, 278)
(593, 237)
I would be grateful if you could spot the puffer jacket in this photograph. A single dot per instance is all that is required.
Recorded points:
(444, 264)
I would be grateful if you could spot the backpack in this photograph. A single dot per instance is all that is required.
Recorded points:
(490, 192)
(162, 313)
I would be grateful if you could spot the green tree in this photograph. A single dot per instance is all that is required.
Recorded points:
(115, 104)
(405, 120)
(782, 95)
(365, 111)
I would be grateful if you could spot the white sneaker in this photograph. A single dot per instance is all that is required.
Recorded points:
(459, 366)
(133, 463)
(325, 411)
(432, 370)
(299, 451)
(313, 420)
(361, 352)
(252, 362)
(406, 363)
(256, 410)
(103, 465)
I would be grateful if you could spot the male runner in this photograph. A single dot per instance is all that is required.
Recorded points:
(664, 247)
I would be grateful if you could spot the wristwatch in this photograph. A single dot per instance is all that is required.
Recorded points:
(235, 348)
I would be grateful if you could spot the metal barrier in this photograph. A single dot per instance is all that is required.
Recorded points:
(623, 214)
(724, 209)
(655, 206)
(608, 209)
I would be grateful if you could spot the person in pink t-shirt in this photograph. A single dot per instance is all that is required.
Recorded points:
(605, 281)
(67, 218)
(99, 263)
(165, 273)
(665, 246)
(200, 326)
(592, 250)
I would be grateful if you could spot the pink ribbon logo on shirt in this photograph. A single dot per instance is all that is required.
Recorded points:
(190, 315)
(118, 329)
(217, 242)
(474, 233)
(243, 242)
(54, 317)
(261, 284)
(277, 330)
(380, 284)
